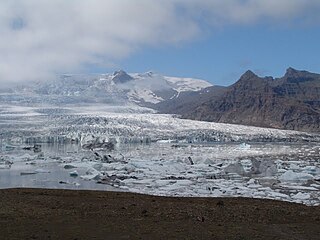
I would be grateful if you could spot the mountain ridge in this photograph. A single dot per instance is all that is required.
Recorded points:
(118, 88)
(290, 102)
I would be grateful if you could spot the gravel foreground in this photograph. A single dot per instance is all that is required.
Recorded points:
(68, 214)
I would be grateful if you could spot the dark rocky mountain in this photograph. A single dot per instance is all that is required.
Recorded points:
(120, 77)
(290, 102)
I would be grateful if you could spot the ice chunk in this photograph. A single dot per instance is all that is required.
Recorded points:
(91, 177)
(291, 187)
(69, 166)
(5, 166)
(270, 171)
(251, 181)
(166, 141)
(216, 193)
(91, 174)
(70, 183)
(301, 196)
(74, 174)
(235, 168)
(244, 146)
(5, 162)
(266, 168)
(278, 195)
(28, 173)
(97, 166)
(294, 176)
(294, 166)
(311, 169)
(40, 156)
(129, 168)
(42, 171)
(161, 183)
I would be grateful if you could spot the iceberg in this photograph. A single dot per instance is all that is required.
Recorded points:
(290, 176)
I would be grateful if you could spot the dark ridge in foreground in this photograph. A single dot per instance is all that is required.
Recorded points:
(291, 102)
(66, 214)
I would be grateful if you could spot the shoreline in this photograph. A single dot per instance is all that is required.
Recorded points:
(88, 214)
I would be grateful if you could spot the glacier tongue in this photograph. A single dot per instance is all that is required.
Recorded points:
(157, 127)
(124, 124)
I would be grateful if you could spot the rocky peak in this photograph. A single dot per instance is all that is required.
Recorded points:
(120, 77)
(248, 78)
(248, 75)
(291, 73)
(149, 73)
(295, 76)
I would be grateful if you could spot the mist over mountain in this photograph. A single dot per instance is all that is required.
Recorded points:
(118, 88)
(289, 102)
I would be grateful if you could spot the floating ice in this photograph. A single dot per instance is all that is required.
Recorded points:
(5, 166)
(311, 170)
(74, 174)
(42, 171)
(244, 146)
(301, 196)
(235, 168)
(266, 168)
(69, 166)
(28, 173)
(91, 174)
(295, 176)
(262, 171)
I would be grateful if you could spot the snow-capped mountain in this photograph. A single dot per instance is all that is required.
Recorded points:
(143, 89)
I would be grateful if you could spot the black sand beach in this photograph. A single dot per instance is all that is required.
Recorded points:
(67, 214)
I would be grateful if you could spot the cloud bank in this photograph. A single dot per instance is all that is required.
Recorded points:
(42, 38)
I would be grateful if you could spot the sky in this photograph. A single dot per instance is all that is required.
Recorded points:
(215, 40)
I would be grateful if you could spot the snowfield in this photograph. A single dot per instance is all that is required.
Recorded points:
(187, 84)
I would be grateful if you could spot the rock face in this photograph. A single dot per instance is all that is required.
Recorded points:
(291, 102)
(120, 77)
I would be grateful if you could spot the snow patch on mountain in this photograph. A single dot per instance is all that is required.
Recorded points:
(187, 84)
(144, 95)
(143, 89)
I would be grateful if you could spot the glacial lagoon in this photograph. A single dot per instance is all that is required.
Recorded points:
(282, 171)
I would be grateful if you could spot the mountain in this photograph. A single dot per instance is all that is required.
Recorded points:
(290, 102)
(121, 77)
(189, 100)
(118, 88)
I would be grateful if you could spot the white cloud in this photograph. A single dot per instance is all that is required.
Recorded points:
(40, 38)
(252, 11)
